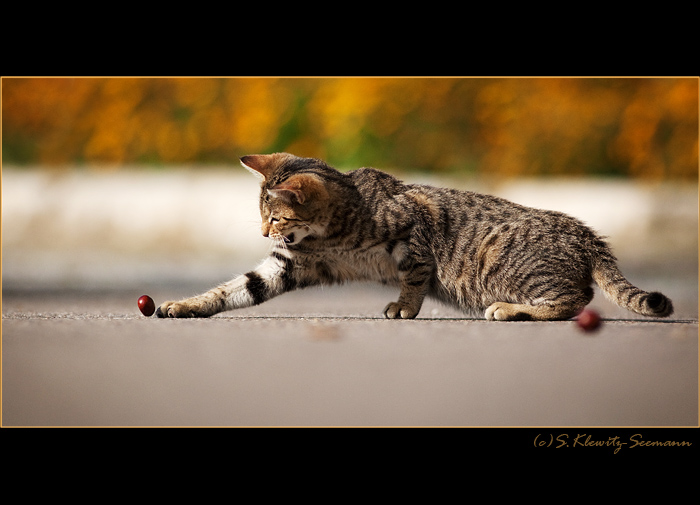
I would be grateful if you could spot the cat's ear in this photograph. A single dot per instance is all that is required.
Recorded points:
(290, 191)
(298, 189)
(260, 165)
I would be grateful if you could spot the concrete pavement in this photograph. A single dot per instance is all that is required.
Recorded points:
(326, 357)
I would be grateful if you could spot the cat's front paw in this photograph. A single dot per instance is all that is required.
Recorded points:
(168, 309)
(178, 309)
(397, 311)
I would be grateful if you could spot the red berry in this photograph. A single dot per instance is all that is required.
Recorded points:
(146, 305)
(588, 320)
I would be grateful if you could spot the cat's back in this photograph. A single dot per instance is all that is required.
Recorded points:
(451, 208)
(372, 181)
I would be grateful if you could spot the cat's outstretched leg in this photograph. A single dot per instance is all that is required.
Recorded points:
(273, 277)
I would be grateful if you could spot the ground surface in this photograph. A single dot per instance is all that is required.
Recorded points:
(326, 357)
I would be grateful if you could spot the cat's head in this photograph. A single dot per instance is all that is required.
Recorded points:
(294, 197)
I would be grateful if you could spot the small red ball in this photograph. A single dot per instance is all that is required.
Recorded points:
(146, 305)
(588, 320)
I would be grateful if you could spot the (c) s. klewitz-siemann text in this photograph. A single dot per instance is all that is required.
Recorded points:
(588, 440)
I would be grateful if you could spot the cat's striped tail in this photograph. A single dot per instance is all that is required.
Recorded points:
(620, 291)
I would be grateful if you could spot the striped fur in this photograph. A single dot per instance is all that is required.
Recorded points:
(480, 253)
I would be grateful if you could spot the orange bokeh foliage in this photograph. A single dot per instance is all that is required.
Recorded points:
(640, 127)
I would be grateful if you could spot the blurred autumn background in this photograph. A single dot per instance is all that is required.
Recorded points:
(126, 181)
(637, 127)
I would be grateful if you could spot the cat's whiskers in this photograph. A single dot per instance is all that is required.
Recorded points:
(278, 241)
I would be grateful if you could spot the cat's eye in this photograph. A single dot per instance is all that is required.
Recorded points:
(274, 220)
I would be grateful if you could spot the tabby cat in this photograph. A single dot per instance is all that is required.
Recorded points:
(480, 253)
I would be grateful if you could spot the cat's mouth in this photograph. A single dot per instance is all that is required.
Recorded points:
(287, 239)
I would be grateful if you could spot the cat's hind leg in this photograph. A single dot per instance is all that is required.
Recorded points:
(563, 307)
(503, 311)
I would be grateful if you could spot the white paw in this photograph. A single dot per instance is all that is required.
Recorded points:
(495, 312)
